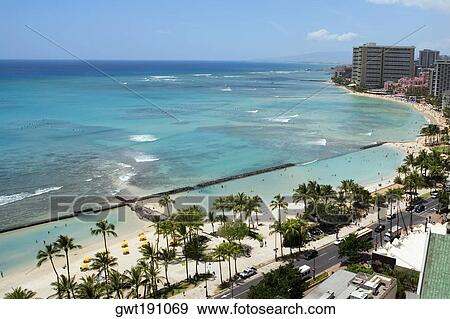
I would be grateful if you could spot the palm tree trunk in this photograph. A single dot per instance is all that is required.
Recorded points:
(235, 265)
(67, 264)
(220, 270)
(229, 267)
(186, 259)
(104, 242)
(167, 277)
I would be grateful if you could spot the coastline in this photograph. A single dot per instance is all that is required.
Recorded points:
(38, 279)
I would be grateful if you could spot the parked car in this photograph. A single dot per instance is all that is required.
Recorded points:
(246, 273)
(310, 254)
(419, 208)
(380, 228)
(391, 216)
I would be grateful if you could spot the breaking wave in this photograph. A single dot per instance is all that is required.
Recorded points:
(8, 199)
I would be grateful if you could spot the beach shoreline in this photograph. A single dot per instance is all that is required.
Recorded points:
(38, 279)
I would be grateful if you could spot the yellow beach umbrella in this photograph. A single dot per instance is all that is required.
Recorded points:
(142, 238)
(125, 251)
(84, 267)
(124, 244)
(86, 259)
(144, 243)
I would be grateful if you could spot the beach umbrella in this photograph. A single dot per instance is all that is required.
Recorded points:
(124, 244)
(125, 251)
(86, 259)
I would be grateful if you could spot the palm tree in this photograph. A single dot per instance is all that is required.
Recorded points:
(116, 283)
(20, 293)
(149, 252)
(279, 203)
(134, 278)
(219, 253)
(102, 262)
(105, 229)
(230, 251)
(66, 244)
(166, 228)
(165, 201)
(327, 192)
(239, 203)
(89, 288)
(212, 218)
(221, 204)
(183, 233)
(65, 285)
(301, 194)
(195, 249)
(151, 275)
(379, 200)
(47, 254)
(167, 256)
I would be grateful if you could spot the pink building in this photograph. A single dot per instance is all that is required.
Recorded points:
(404, 84)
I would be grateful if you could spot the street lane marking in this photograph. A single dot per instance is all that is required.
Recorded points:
(332, 257)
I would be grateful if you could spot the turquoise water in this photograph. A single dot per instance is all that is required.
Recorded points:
(65, 129)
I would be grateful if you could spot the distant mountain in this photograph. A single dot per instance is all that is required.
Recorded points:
(337, 57)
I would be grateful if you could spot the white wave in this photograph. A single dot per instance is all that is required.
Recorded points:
(322, 142)
(8, 199)
(163, 78)
(124, 165)
(367, 134)
(124, 83)
(126, 177)
(250, 89)
(143, 138)
(307, 163)
(232, 76)
(227, 89)
(280, 120)
(285, 72)
(294, 116)
(88, 180)
(203, 74)
(252, 111)
(145, 158)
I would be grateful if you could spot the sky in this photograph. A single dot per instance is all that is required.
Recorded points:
(215, 29)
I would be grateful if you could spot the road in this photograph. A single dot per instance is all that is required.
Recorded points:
(328, 255)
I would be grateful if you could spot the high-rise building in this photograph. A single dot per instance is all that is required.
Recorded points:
(427, 58)
(375, 64)
(440, 78)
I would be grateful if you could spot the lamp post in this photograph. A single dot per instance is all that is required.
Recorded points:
(275, 251)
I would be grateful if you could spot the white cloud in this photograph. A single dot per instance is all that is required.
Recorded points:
(325, 35)
(424, 4)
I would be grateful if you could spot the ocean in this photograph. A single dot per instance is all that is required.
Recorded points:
(67, 129)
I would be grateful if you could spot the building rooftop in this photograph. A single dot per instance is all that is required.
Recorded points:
(347, 285)
(436, 275)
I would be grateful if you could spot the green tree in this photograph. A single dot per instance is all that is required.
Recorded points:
(89, 288)
(167, 256)
(20, 293)
(134, 278)
(66, 244)
(49, 252)
(353, 247)
(279, 203)
(105, 229)
(165, 201)
(283, 282)
(65, 285)
(233, 231)
(102, 262)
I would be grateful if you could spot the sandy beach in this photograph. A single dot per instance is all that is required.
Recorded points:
(39, 279)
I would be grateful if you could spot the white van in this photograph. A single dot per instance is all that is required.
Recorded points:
(305, 271)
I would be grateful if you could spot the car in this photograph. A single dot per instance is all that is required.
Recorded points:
(380, 228)
(246, 273)
(338, 241)
(391, 216)
(409, 208)
(419, 208)
(434, 194)
(310, 254)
